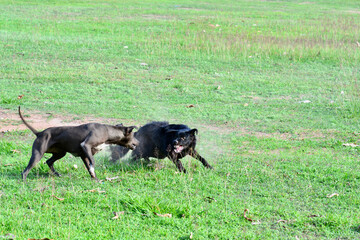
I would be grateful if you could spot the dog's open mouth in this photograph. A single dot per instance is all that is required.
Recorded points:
(178, 148)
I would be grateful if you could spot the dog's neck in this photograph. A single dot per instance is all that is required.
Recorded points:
(115, 136)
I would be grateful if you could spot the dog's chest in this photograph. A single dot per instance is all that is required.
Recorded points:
(100, 147)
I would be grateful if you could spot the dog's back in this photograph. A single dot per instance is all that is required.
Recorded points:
(154, 138)
(150, 135)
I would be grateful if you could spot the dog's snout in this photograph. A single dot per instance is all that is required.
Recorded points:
(133, 145)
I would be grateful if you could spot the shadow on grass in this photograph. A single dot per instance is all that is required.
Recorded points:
(15, 174)
(41, 170)
(37, 173)
(185, 237)
(128, 165)
(356, 228)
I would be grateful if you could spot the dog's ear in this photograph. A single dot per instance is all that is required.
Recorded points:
(193, 131)
(119, 125)
(128, 130)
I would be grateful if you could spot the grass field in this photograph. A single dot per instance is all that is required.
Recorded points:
(274, 87)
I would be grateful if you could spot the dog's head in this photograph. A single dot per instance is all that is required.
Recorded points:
(184, 139)
(128, 140)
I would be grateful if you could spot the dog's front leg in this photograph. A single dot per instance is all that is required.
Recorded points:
(90, 168)
(178, 163)
(197, 156)
(88, 158)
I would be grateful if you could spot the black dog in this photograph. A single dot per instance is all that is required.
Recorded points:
(160, 140)
(81, 141)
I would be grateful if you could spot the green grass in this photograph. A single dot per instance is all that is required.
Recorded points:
(248, 67)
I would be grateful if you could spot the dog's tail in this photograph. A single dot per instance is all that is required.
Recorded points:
(28, 125)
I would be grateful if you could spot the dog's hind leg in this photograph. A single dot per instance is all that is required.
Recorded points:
(38, 150)
(50, 162)
(197, 156)
(35, 158)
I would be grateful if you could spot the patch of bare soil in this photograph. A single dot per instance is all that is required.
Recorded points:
(221, 130)
(302, 3)
(304, 134)
(10, 120)
(156, 17)
(354, 11)
(194, 9)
